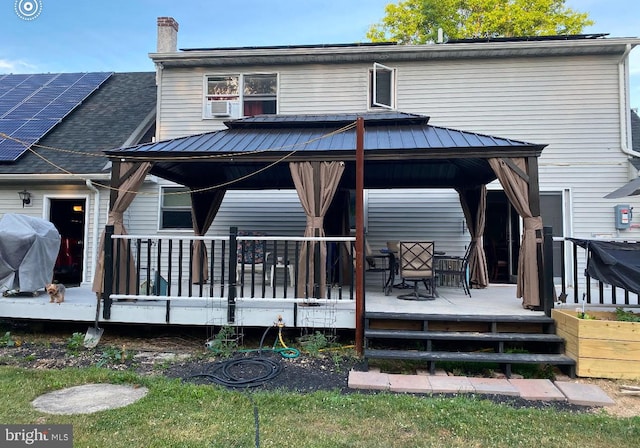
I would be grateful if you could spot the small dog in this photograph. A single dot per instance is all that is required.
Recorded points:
(56, 292)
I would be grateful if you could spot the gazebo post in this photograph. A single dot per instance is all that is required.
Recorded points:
(534, 206)
(359, 235)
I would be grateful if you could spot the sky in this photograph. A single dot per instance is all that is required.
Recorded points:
(42, 36)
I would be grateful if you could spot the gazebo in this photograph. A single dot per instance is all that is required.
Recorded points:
(318, 156)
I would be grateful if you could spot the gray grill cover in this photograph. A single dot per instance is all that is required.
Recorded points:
(28, 251)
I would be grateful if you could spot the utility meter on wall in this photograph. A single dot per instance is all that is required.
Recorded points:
(623, 216)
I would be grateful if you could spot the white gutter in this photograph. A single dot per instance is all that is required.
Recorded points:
(52, 177)
(96, 228)
(623, 86)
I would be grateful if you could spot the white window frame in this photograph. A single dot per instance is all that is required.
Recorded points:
(236, 107)
(373, 80)
(162, 208)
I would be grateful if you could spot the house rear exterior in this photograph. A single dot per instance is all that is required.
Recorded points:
(66, 173)
(571, 93)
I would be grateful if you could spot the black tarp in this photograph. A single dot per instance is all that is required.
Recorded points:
(613, 262)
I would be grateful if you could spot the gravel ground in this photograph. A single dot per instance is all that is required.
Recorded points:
(186, 358)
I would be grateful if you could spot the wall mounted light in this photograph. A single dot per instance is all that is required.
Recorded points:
(25, 197)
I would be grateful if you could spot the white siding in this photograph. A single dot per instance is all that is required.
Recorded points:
(570, 103)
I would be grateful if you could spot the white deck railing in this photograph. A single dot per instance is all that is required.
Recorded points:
(248, 266)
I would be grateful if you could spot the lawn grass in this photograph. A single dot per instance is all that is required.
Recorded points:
(176, 414)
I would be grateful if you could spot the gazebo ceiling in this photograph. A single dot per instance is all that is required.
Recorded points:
(401, 151)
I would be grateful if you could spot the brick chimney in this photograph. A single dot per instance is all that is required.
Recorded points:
(167, 35)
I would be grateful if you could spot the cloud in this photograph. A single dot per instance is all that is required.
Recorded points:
(15, 66)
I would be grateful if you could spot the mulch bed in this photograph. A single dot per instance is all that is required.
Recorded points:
(304, 374)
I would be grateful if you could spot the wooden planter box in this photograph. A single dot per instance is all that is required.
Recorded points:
(601, 348)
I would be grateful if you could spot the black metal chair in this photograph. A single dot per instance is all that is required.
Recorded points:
(416, 264)
(455, 269)
(376, 263)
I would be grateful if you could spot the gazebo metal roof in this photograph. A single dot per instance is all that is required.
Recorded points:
(401, 151)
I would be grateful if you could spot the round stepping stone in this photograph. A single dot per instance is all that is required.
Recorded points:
(88, 398)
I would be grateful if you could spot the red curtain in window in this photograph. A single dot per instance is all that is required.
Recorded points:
(252, 108)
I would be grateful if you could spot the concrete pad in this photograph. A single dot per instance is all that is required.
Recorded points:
(413, 384)
(368, 380)
(584, 394)
(88, 398)
(537, 390)
(450, 384)
(494, 386)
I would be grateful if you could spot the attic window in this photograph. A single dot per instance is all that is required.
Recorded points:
(382, 80)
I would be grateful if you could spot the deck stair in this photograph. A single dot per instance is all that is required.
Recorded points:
(436, 338)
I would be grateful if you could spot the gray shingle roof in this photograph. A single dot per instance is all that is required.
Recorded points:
(105, 120)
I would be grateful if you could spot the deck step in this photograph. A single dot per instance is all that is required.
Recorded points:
(509, 318)
(501, 358)
(462, 336)
(465, 338)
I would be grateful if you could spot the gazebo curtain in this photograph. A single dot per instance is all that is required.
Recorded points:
(131, 176)
(316, 184)
(516, 188)
(474, 204)
(204, 208)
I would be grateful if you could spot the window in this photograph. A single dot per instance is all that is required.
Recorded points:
(175, 208)
(259, 94)
(382, 87)
(233, 94)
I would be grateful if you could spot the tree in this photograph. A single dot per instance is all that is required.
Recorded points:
(418, 21)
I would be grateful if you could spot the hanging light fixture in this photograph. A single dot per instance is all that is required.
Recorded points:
(25, 197)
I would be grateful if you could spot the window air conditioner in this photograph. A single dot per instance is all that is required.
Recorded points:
(220, 108)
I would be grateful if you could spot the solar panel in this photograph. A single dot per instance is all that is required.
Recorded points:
(12, 150)
(32, 104)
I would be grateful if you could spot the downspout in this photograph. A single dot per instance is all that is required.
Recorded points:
(96, 228)
(623, 86)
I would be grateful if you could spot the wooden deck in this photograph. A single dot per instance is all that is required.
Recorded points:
(80, 306)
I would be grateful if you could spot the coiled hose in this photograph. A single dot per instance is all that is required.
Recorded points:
(229, 373)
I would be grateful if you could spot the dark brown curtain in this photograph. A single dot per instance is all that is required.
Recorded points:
(474, 204)
(316, 184)
(517, 190)
(131, 176)
(204, 208)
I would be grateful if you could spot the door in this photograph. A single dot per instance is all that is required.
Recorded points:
(68, 216)
(501, 238)
(551, 212)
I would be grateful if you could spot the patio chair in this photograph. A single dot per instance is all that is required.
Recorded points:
(251, 255)
(416, 265)
(455, 269)
(376, 262)
(497, 259)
